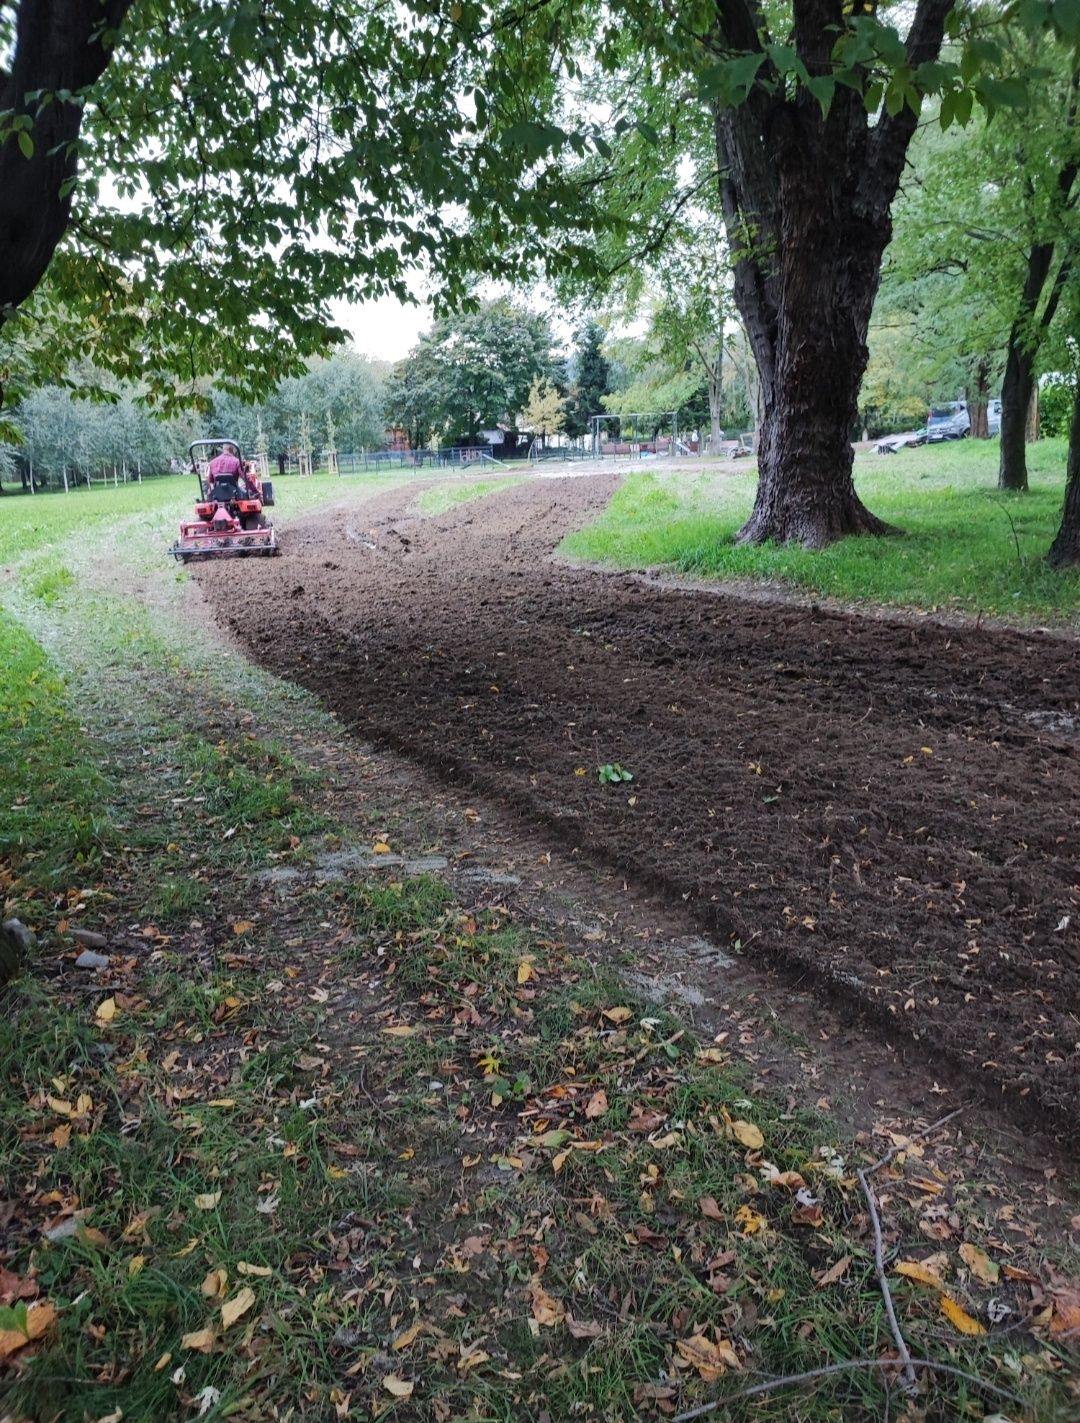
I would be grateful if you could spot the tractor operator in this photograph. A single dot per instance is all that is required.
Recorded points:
(228, 465)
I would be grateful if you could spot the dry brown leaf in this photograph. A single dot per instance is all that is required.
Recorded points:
(597, 1105)
(200, 1340)
(711, 1360)
(242, 926)
(810, 1215)
(979, 1263)
(39, 1317)
(61, 1135)
(834, 1272)
(912, 1270)
(399, 1388)
(213, 1287)
(748, 1135)
(546, 1310)
(1066, 1316)
(959, 1317)
(207, 1200)
(400, 1030)
(709, 1209)
(583, 1329)
(244, 1267)
(235, 1308)
(408, 1336)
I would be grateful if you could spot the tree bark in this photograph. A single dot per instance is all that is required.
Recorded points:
(59, 44)
(979, 403)
(1065, 550)
(1016, 388)
(806, 198)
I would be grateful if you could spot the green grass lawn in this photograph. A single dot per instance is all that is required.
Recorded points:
(441, 498)
(966, 546)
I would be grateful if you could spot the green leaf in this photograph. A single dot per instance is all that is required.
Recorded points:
(26, 144)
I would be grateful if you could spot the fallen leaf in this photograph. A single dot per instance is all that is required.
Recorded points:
(399, 1030)
(980, 1264)
(546, 1310)
(380, 847)
(912, 1270)
(136, 1264)
(597, 1105)
(711, 1360)
(810, 1215)
(213, 1287)
(834, 1272)
(61, 1136)
(186, 1249)
(242, 926)
(750, 1221)
(235, 1308)
(243, 1267)
(1066, 1316)
(106, 1010)
(39, 1317)
(207, 1201)
(408, 1336)
(748, 1135)
(525, 971)
(709, 1209)
(959, 1317)
(618, 1015)
(399, 1388)
(200, 1340)
(583, 1329)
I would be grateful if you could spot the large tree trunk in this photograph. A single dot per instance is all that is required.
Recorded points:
(806, 199)
(1065, 550)
(59, 45)
(1016, 388)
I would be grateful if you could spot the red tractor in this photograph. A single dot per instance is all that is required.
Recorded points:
(229, 517)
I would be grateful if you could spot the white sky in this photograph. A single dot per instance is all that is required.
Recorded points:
(385, 329)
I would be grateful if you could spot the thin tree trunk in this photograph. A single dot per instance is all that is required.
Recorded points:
(1065, 550)
(979, 403)
(1031, 425)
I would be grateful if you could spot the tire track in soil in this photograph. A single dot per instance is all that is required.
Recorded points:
(885, 807)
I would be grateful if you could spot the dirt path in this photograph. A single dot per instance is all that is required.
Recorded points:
(884, 809)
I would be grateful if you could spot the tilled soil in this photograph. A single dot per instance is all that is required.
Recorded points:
(885, 807)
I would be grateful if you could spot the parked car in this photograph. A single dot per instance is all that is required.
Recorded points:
(909, 440)
(948, 422)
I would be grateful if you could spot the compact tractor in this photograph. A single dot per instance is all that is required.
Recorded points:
(229, 517)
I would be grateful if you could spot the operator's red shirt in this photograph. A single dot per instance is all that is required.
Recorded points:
(224, 464)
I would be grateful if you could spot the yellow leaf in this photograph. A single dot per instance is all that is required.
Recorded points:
(83, 1104)
(235, 1308)
(61, 1108)
(711, 1360)
(618, 1015)
(525, 971)
(244, 1268)
(336, 1173)
(400, 1030)
(221, 1102)
(558, 1161)
(162, 1362)
(979, 1263)
(748, 1135)
(546, 1310)
(61, 1135)
(38, 1318)
(382, 848)
(750, 1221)
(399, 1388)
(135, 1264)
(201, 1340)
(712, 1054)
(207, 1201)
(213, 1287)
(242, 926)
(912, 1270)
(186, 1249)
(106, 1010)
(408, 1336)
(959, 1317)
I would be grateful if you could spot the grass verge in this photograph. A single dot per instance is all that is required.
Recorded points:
(441, 498)
(966, 546)
(322, 1140)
